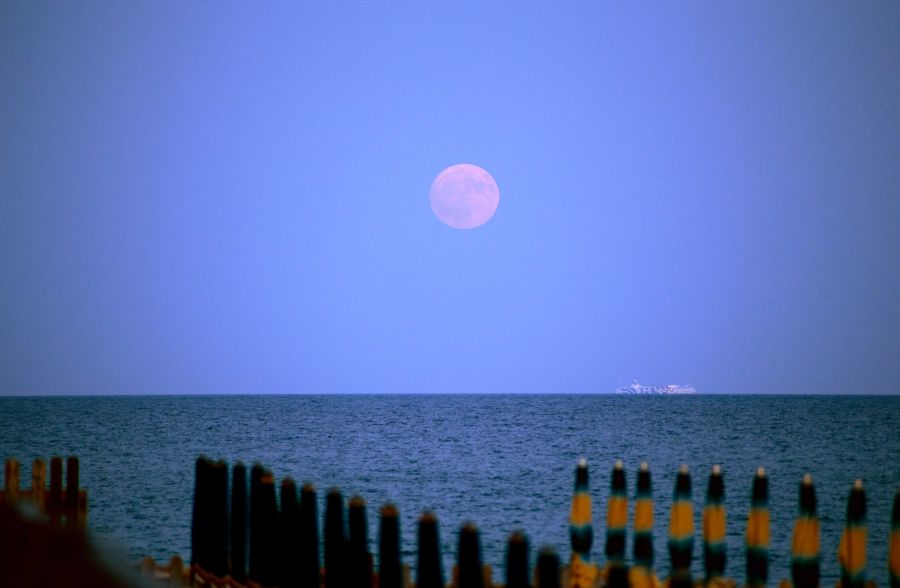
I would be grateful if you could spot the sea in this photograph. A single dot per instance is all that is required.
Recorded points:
(504, 462)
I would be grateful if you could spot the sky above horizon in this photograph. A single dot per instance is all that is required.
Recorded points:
(232, 198)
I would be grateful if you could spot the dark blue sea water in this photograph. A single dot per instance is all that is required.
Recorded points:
(505, 462)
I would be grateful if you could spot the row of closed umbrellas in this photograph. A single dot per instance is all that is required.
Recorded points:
(257, 538)
(805, 545)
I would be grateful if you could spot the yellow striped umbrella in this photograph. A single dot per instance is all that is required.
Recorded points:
(616, 524)
(616, 516)
(681, 532)
(852, 549)
(805, 543)
(714, 526)
(641, 573)
(894, 557)
(582, 573)
(757, 537)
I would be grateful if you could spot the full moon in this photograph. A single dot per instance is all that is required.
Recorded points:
(464, 196)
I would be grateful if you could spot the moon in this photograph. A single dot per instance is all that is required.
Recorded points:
(464, 196)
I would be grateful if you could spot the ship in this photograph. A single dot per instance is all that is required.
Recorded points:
(637, 388)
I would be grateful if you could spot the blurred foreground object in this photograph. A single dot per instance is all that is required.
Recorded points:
(42, 533)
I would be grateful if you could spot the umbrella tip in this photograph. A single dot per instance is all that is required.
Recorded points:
(760, 472)
(716, 470)
(645, 467)
(807, 479)
(582, 462)
(618, 464)
(683, 469)
(389, 510)
(857, 485)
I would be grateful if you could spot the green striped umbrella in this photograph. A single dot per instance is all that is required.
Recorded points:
(894, 558)
(757, 537)
(641, 573)
(714, 525)
(805, 542)
(582, 572)
(852, 549)
(681, 531)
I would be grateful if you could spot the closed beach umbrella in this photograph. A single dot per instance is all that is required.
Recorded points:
(209, 522)
(616, 516)
(390, 574)
(218, 511)
(681, 531)
(201, 514)
(257, 518)
(264, 509)
(805, 542)
(757, 537)
(359, 563)
(309, 574)
(429, 568)
(641, 573)
(547, 569)
(582, 573)
(239, 522)
(335, 540)
(894, 557)
(517, 561)
(616, 523)
(72, 494)
(289, 536)
(714, 526)
(469, 558)
(852, 549)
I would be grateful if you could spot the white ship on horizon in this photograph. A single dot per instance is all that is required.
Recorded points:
(636, 388)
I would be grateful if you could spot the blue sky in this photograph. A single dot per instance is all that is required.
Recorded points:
(233, 198)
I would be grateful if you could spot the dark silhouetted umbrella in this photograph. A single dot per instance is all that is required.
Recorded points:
(359, 561)
(239, 522)
(390, 571)
(430, 569)
(547, 569)
(335, 540)
(517, 561)
(308, 562)
(289, 536)
(471, 574)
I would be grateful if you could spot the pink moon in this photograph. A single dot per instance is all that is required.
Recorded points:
(464, 196)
